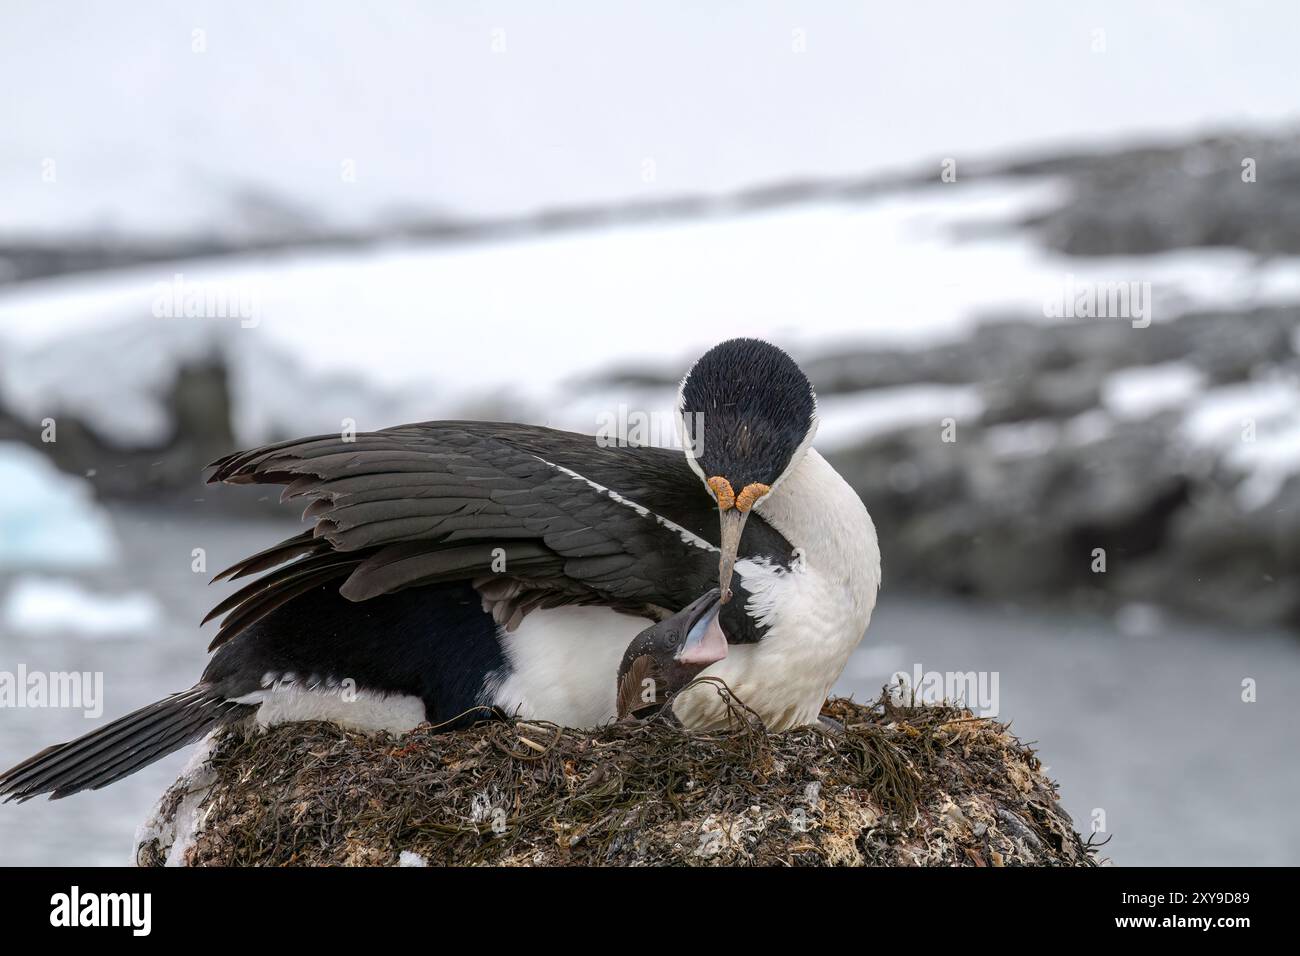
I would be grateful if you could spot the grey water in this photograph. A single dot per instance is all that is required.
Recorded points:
(1145, 729)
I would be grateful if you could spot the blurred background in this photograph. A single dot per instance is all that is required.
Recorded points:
(224, 224)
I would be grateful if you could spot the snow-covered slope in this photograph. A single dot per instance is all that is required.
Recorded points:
(411, 333)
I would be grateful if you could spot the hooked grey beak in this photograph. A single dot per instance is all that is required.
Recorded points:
(705, 641)
(733, 523)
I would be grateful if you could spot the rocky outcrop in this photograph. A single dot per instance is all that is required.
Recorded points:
(1240, 191)
(1063, 487)
(1031, 368)
(199, 409)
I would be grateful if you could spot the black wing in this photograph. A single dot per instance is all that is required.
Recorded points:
(534, 517)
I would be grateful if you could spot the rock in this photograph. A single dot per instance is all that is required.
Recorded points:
(198, 406)
(1219, 556)
(1189, 195)
(1053, 394)
(899, 786)
(1062, 466)
(983, 518)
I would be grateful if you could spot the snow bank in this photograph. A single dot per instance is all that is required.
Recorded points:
(116, 379)
(847, 420)
(1254, 428)
(411, 332)
(1144, 390)
(442, 316)
(41, 605)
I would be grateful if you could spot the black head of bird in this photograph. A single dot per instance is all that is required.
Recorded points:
(748, 415)
(667, 656)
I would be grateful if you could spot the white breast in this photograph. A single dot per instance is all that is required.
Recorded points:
(786, 676)
(817, 611)
(563, 665)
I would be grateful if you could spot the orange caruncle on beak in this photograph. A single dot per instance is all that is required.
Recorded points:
(750, 494)
(721, 489)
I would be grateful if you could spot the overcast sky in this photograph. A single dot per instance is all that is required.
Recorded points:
(507, 106)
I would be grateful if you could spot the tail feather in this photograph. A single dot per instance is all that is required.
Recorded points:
(122, 747)
(133, 723)
(115, 763)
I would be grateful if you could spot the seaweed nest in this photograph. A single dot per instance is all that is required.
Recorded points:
(901, 785)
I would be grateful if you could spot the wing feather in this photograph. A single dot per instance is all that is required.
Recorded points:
(523, 506)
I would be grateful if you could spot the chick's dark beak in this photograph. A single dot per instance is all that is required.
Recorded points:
(705, 641)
